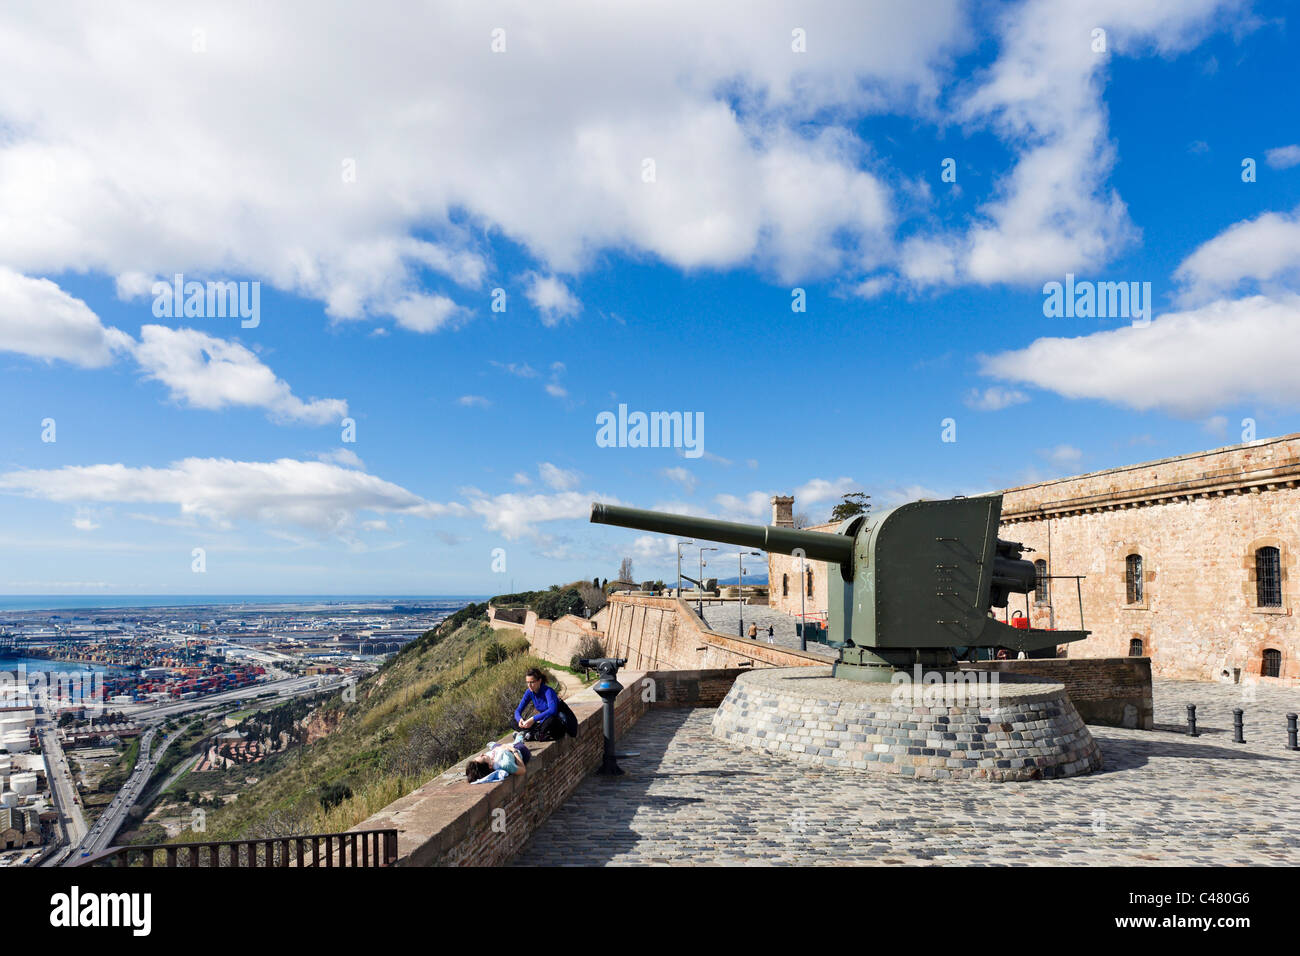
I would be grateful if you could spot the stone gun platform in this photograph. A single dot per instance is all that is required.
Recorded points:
(1015, 729)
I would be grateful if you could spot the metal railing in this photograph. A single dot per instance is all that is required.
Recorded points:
(356, 848)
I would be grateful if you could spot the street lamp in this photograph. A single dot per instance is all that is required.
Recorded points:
(740, 589)
(700, 584)
(679, 564)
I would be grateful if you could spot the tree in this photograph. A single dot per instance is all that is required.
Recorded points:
(801, 520)
(854, 503)
(625, 570)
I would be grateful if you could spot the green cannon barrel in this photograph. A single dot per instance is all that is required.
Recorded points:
(816, 545)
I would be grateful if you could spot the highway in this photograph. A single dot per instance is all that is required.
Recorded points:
(100, 834)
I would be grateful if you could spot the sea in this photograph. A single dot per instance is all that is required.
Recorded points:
(84, 602)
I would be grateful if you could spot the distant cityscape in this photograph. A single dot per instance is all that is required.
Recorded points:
(85, 690)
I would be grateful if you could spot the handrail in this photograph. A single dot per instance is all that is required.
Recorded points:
(378, 848)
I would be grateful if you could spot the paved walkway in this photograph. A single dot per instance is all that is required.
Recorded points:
(1163, 798)
(725, 619)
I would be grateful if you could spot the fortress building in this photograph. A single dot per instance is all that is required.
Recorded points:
(1190, 561)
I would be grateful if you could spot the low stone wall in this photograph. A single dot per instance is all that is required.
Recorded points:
(665, 633)
(1019, 729)
(555, 641)
(1110, 691)
(449, 822)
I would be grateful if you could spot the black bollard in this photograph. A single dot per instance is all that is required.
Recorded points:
(1291, 733)
(607, 689)
(1238, 728)
(1191, 721)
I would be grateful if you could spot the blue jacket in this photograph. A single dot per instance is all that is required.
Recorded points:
(546, 702)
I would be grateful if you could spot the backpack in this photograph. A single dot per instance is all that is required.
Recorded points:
(570, 719)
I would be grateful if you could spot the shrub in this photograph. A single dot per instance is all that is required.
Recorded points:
(588, 647)
(332, 794)
(495, 653)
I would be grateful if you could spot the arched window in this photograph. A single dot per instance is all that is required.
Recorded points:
(810, 594)
(785, 585)
(1135, 647)
(1272, 663)
(1133, 578)
(1268, 577)
(1042, 594)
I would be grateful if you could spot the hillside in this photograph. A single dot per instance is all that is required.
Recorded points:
(432, 705)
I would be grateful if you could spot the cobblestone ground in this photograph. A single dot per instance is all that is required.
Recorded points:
(1163, 798)
(725, 618)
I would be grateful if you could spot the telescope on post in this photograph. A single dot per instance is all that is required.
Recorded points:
(906, 586)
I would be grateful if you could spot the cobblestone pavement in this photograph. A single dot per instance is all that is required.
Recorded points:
(724, 618)
(1163, 798)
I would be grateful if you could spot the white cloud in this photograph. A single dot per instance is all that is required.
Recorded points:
(682, 476)
(523, 370)
(262, 158)
(212, 373)
(1216, 425)
(342, 456)
(521, 479)
(1054, 211)
(994, 398)
(1184, 363)
(819, 489)
(556, 390)
(756, 504)
(516, 515)
(1064, 456)
(552, 299)
(474, 401)
(306, 494)
(39, 319)
(1284, 157)
(1260, 251)
(557, 477)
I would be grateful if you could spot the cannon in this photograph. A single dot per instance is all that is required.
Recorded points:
(909, 586)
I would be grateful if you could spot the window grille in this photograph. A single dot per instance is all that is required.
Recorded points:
(1268, 577)
(1133, 578)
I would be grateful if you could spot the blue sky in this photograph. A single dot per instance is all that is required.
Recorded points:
(217, 143)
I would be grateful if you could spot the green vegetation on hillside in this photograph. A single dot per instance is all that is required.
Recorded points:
(432, 705)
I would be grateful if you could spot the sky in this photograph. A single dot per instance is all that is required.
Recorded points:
(465, 232)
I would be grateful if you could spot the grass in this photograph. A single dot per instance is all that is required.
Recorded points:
(422, 712)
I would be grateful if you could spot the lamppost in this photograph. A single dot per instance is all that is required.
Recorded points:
(679, 564)
(701, 581)
(740, 588)
(803, 614)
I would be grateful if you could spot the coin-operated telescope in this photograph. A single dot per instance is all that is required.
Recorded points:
(906, 586)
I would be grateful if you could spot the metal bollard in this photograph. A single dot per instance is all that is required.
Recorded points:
(1291, 733)
(1191, 721)
(1238, 728)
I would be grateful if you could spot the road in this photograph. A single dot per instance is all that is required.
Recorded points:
(101, 833)
(63, 785)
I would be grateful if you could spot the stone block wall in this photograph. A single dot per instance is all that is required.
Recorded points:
(1111, 691)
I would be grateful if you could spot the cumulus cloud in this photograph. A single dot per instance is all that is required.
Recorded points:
(1284, 157)
(552, 299)
(321, 497)
(1263, 252)
(517, 515)
(819, 489)
(1054, 211)
(39, 319)
(557, 478)
(682, 476)
(1184, 363)
(994, 398)
(280, 166)
(212, 373)
(1064, 456)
